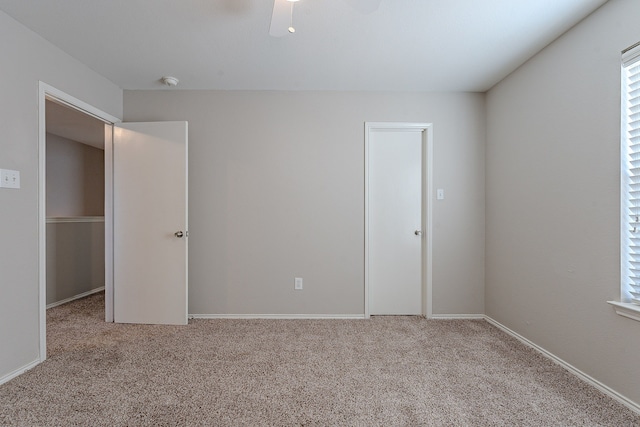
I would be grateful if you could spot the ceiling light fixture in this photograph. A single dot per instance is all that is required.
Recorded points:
(291, 27)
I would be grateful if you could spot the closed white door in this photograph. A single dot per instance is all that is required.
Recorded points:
(395, 221)
(150, 223)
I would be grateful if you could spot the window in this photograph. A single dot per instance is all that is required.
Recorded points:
(630, 186)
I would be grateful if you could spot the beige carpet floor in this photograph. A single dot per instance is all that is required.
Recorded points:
(387, 371)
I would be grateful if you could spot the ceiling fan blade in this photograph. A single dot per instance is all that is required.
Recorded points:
(364, 6)
(281, 18)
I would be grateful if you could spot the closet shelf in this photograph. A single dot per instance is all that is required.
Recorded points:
(64, 219)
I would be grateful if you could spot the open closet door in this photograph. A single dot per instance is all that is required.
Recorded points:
(150, 223)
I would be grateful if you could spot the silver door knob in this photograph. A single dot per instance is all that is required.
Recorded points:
(418, 232)
(178, 234)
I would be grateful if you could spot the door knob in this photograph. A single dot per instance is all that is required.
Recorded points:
(178, 234)
(418, 232)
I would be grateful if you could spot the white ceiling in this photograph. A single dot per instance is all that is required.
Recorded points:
(405, 45)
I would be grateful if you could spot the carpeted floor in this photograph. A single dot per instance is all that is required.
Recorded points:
(387, 371)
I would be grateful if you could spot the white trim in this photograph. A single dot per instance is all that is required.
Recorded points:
(108, 224)
(428, 218)
(73, 219)
(279, 316)
(46, 91)
(19, 371)
(427, 209)
(75, 297)
(366, 221)
(628, 310)
(186, 218)
(630, 54)
(624, 179)
(458, 316)
(635, 407)
(75, 103)
(42, 227)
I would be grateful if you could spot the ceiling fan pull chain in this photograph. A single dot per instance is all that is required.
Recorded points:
(291, 27)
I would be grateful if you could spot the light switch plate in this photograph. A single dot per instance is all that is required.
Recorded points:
(440, 194)
(297, 284)
(9, 178)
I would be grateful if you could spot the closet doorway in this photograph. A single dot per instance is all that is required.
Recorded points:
(74, 204)
(71, 221)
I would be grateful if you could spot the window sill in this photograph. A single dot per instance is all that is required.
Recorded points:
(631, 311)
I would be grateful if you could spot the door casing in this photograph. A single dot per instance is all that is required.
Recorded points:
(427, 190)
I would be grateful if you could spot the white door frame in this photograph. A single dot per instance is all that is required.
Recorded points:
(45, 91)
(427, 194)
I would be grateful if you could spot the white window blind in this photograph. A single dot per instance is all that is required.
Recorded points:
(630, 177)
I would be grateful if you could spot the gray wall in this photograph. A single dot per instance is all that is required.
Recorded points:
(552, 236)
(75, 188)
(75, 258)
(27, 58)
(277, 191)
(75, 178)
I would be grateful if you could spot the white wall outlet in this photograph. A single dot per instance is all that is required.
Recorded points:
(440, 194)
(297, 283)
(9, 178)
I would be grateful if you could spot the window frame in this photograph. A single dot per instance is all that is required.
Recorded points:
(625, 307)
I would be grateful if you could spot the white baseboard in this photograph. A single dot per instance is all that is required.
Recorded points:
(635, 407)
(323, 316)
(19, 371)
(457, 316)
(277, 316)
(75, 297)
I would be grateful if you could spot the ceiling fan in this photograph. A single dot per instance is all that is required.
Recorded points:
(282, 16)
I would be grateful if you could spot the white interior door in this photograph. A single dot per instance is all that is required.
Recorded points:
(150, 223)
(395, 221)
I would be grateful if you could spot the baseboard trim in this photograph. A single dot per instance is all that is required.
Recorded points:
(278, 316)
(75, 297)
(325, 316)
(19, 371)
(457, 316)
(635, 407)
